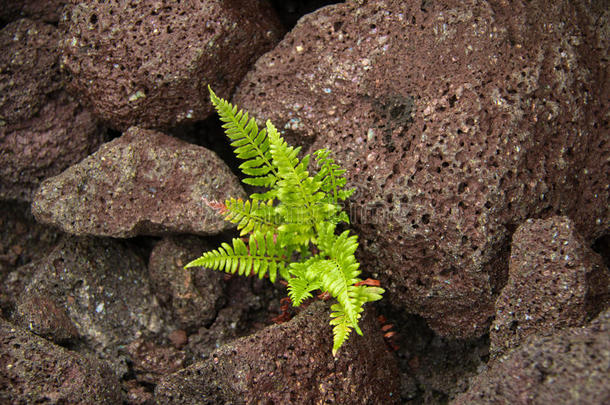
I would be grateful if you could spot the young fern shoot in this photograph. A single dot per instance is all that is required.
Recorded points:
(296, 217)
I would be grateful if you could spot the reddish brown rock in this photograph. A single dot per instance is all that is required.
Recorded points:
(143, 183)
(456, 120)
(290, 363)
(149, 63)
(554, 281)
(45, 10)
(42, 129)
(42, 316)
(571, 367)
(33, 370)
(193, 295)
(151, 362)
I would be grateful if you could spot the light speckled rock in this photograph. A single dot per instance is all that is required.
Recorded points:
(456, 120)
(103, 288)
(143, 183)
(554, 281)
(149, 63)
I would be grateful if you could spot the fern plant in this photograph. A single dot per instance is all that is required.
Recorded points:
(291, 229)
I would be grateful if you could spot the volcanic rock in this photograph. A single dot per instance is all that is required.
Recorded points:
(290, 363)
(148, 63)
(554, 281)
(103, 288)
(571, 367)
(34, 370)
(42, 129)
(143, 183)
(193, 295)
(456, 121)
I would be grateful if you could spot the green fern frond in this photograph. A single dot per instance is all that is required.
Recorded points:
(342, 326)
(252, 216)
(304, 281)
(261, 255)
(294, 222)
(331, 177)
(250, 144)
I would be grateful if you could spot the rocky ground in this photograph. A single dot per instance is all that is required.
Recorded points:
(475, 134)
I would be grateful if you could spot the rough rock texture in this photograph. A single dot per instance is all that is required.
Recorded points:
(150, 361)
(290, 363)
(456, 121)
(42, 129)
(29, 69)
(554, 281)
(143, 183)
(22, 239)
(33, 370)
(149, 63)
(45, 10)
(193, 295)
(44, 317)
(101, 285)
(572, 367)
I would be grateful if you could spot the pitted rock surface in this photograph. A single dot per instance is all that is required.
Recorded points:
(554, 281)
(34, 370)
(44, 10)
(42, 129)
(103, 288)
(143, 183)
(456, 120)
(290, 363)
(29, 69)
(571, 367)
(148, 63)
(193, 295)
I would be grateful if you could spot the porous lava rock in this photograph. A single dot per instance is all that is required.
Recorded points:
(554, 281)
(22, 239)
(142, 183)
(102, 286)
(192, 295)
(456, 121)
(149, 63)
(44, 10)
(42, 316)
(290, 363)
(571, 367)
(42, 129)
(150, 361)
(33, 370)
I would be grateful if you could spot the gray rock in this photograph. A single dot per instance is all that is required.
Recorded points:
(192, 295)
(103, 288)
(143, 183)
(290, 363)
(34, 370)
(455, 121)
(554, 281)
